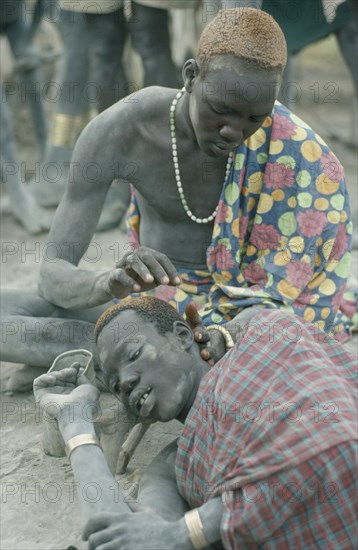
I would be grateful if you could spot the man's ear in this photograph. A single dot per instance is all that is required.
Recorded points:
(184, 333)
(189, 72)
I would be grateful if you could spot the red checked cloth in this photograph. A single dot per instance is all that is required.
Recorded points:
(273, 430)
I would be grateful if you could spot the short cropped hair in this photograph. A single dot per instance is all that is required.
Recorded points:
(246, 33)
(156, 311)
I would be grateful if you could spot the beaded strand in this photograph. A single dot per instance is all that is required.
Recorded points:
(177, 169)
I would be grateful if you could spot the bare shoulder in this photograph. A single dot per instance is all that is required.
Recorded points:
(148, 101)
(131, 111)
(114, 133)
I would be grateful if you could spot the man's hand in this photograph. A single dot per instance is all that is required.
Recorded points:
(212, 343)
(141, 270)
(141, 530)
(64, 388)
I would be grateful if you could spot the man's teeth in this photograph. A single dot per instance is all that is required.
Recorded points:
(143, 398)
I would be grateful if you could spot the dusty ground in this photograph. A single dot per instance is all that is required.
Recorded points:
(39, 511)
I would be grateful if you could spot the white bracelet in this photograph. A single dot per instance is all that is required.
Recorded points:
(195, 528)
(229, 342)
(78, 440)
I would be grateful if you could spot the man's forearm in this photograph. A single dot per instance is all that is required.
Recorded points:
(158, 490)
(159, 493)
(67, 286)
(97, 489)
(210, 516)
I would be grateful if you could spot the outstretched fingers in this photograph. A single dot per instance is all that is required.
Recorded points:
(149, 266)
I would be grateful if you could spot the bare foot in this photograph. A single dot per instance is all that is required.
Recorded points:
(47, 194)
(26, 210)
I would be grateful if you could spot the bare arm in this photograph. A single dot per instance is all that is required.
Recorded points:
(97, 490)
(159, 493)
(91, 174)
(158, 490)
(160, 518)
(108, 517)
(74, 399)
(101, 155)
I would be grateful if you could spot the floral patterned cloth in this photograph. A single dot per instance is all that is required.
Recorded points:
(282, 233)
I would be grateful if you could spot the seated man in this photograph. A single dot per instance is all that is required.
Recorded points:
(237, 202)
(266, 458)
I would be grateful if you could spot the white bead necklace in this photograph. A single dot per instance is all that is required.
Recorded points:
(177, 170)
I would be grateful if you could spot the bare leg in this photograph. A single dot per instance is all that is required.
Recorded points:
(33, 331)
(71, 111)
(108, 35)
(150, 35)
(347, 37)
(21, 39)
(22, 204)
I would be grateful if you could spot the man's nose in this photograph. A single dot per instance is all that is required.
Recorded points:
(128, 381)
(232, 133)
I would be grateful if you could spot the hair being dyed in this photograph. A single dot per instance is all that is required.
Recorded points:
(249, 34)
(156, 311)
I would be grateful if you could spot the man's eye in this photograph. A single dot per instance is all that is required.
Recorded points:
(218, 111)
(135, 355)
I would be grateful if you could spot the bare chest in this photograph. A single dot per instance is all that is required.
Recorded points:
(158, 185)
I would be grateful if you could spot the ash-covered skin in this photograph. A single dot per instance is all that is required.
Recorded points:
(136, 133)
(156, 375)
(229, 104)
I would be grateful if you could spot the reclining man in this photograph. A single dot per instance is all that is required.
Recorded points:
(266, 458)
(237, 202)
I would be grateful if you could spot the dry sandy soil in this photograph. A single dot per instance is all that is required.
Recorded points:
(38, 507)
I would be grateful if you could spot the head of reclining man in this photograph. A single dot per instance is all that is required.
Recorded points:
(235, 78)
(148, 355)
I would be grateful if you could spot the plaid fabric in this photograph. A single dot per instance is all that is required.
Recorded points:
(273, 431)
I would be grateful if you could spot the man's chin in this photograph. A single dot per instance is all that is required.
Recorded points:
(166, 414)
(158, 416)
(214, 151)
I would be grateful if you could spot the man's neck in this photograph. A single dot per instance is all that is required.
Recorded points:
(183, 126)
(201, 369)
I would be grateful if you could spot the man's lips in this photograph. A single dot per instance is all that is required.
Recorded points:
(142, 400)
(222, 148)
(226, 146)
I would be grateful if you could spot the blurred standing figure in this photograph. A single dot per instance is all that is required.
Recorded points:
(20, 33)
(20, 30)
(149, 26)
(91, 79)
